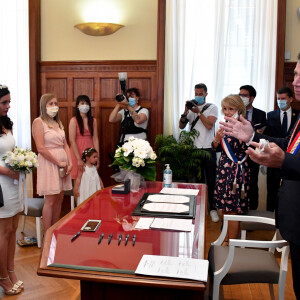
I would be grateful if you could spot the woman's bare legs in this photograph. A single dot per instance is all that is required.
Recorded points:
(7, 233)
(52, 209)
(12, 249)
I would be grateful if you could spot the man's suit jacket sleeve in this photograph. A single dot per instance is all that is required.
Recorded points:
(291, 165)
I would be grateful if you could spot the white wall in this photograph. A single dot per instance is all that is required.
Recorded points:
(61, 41)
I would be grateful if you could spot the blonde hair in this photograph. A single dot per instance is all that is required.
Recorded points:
(43, 111)
(236, 102)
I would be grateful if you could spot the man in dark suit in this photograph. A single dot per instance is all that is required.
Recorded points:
(258, 119)
(284, 155)
(279, 124)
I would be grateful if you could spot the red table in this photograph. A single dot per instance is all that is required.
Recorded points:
(107, 271)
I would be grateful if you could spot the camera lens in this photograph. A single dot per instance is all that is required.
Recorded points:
(190, 104)
(120, 97)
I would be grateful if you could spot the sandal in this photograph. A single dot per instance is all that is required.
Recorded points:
(13, 291)
(19, 283)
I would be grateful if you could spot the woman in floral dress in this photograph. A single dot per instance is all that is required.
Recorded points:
(233, 174)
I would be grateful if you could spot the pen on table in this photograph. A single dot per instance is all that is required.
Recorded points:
(76, 236)
(126, 239)
(100, 238)
(120, 239)
(133, 239)
(109, 238)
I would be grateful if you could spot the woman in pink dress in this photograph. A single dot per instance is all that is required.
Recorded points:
(82, 133)
(54, 159)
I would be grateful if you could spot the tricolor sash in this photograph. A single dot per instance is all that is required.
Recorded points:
(239, 165)
(294, 144)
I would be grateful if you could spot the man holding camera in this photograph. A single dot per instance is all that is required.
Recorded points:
(133, 118)
(202, 116)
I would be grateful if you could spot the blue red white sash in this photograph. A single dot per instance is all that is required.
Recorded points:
(294, 143)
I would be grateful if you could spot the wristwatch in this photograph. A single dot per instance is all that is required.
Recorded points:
(199, 114)
(217, 142)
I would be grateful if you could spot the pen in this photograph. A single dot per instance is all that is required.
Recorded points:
(133, 239)
(109, 238)
(76, 236)
(126, 239)
(100, 238)
(120, 239)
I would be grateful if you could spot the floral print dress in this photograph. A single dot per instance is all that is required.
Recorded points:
(230, 174)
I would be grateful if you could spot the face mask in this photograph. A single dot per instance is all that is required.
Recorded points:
(199, 100)
(236, 115)
(132, 102)
(282, 104)
(246, 101)
(84, 108)
(52, 111)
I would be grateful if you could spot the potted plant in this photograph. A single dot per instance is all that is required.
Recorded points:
(184, 158)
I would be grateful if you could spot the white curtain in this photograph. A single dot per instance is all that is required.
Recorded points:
(222, 43)
(14, 66)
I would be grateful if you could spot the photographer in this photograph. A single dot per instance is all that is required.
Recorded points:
(133, 118)
(202, 116)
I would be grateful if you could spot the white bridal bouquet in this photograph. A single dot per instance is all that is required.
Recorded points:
(20, 159)
(135, 155)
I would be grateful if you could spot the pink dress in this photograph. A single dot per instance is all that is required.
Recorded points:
(82, 141)
(48, 180)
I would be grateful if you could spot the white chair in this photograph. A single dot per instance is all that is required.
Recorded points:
(35, 208)
(246, 226)
(235, 265)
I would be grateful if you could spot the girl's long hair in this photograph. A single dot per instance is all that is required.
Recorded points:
(5, 121)
(89, 114)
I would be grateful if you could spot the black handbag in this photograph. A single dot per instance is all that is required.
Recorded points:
(1, 197)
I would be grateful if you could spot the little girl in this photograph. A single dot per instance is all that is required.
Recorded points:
(88, 180)
(233, 175)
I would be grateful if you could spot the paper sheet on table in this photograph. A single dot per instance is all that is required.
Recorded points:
(176, 191)
(168, 198)
(144, 223)
(166, 207)
(167, 266)
(172, 224)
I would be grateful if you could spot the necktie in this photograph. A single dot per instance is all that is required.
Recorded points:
(284, 123)
(247, 114)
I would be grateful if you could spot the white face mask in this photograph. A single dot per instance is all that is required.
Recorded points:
(52, 111)
(84, 108)
(246, 101)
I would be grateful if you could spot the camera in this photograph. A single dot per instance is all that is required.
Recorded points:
(190, 104)
(122, 79)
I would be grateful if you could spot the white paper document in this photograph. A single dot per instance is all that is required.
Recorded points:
(172, 224)
(166, 207)
(168, 198)
(176, 191)
(168, 266)
(144, 223)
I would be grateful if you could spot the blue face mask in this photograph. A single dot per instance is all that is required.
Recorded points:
(132, 102)
(199, 100)
(282, 104)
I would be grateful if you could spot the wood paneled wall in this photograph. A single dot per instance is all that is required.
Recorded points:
(99, 80)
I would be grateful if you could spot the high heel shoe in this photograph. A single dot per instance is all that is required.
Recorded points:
(13, 291)
(19, 283)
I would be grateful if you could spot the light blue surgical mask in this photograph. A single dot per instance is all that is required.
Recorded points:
(199, 99)
(282, 104)
(132, 102)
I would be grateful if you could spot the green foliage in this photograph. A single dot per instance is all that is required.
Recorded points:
(184, 158)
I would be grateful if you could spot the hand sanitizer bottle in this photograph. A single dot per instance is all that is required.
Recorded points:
(167, 176)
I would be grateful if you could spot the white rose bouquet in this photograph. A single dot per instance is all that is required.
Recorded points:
(21, 160)
(137, 155)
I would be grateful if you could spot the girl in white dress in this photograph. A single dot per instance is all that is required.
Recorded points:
(9, 213)
(88, 181)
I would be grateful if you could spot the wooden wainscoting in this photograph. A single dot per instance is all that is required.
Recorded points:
(99, 80)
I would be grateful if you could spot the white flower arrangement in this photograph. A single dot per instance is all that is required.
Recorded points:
(137, 155)
(3, 86)
(21, 159)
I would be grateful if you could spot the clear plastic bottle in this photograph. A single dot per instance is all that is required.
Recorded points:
(167, 176)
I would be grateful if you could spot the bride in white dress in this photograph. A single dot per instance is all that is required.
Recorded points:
(9, 213)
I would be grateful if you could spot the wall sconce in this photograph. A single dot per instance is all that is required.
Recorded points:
(98, 29)
(298, 12)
